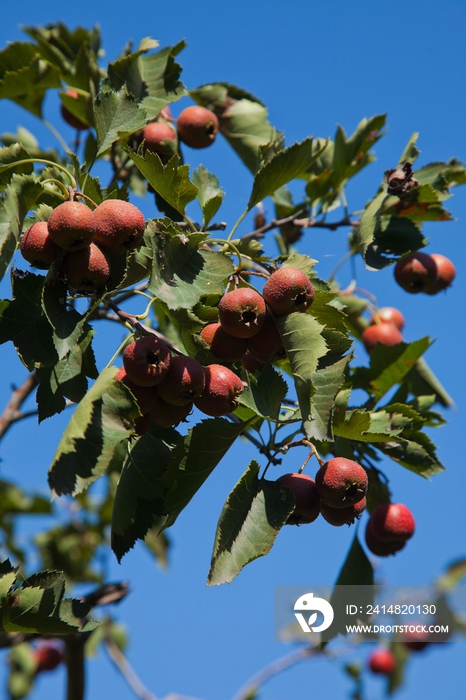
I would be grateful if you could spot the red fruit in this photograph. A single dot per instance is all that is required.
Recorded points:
(69, 117)
(384, 333)
(146, 396)
(379, 548)
(197, 126)
(72, 225)
(47, 658)
(343, 516)
(388, 314)
(160, 137)
(382, 661)
(307, 506)
(416, 640)
(120, 226)
(392, 522)
(415, 272)
(341, 482)
(446, 273)
(267, 344)
(250, 363)
(166, 415)
(222, 388)
(184, 382)
(225, 347)
(87, 270)
(146, 360)
(37, 247)
(242, 312)
(288, 290)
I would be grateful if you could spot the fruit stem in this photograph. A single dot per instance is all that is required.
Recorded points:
(25, 161)
(61, 186)
(84, 196)
(246, 211)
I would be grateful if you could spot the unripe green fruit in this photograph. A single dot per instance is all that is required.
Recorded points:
(145, 396)
(225, 347)
(184, 381)
(242, 312)
(119, 226)
(287, 290)
(267, 344)
(160, 137)
(197, 126)
(166, 415)
(222, 388)
(392, 522)
(343, 516)
(37, 247)
(389, 314)
(379, 548)
(415, 272)
(146, 360)
(307, 500)
(382, 661)
(384, 333)
(69, 118)
(87, 270)
(72, 225)
(341, 482)
(445, 274)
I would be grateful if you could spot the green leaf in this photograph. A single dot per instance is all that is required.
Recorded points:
(369, 223)
(422, 381)
(394, 237)
(283, 167)
(183, 272)
(327, 383)
(454, 574)
(349, 153)
(249, 523)
(210, 194)
(68, 325)
(101, 421)
(11, 155)
(410, 152)
(266, 393)
(416, 454)
(421, 204)
(389, 365)
(170, 181)
(116, 115)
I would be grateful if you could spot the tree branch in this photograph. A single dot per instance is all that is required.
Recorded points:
(12, 412)
(127, 672)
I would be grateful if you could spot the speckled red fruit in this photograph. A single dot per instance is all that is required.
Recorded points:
(242, 312)
(392, 522)
(389, 314)
(415, 272)
(72, 225)
(37, 247)
(222, 388)
(47, 658)
(146, 360)
(225, 347)
(445, 274)
(146, 396)
(288, 290)
(184, 381)
(166, 415)
(250, 363)
(197, 126)
(307, 507)
(379, 548)
(416, 640)
(267, 344)
(341, 482)
(87, 270)
(120, 226)
(384, 333)
(343, 516)
(69, 117)
(382, 661)
(160, 137)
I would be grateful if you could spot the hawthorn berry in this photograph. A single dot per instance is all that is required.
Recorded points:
(146, 360)
(288, 289)
(37, 247)
(250, 363)
(68, 117)
(87, 270)
(379, 548)
(166, 415)
(146, 396)
(47, 658)
(392, 522)
(445, 274)
(382, 661)
(384, 333)
(184, 382)
(416, 639)
(159, 137)
(242, 312)
(225, 347)
(119, 226)
(307, 499)
(197, 126)
(72, 225)
(416, 272)
(267, 344)
(222, 388)
(343, 516)
(341, 482)
(389, 314)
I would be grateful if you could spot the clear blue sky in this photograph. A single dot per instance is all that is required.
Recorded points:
(314, 65)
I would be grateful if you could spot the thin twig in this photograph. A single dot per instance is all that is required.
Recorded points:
(12, 412)
(127, 671)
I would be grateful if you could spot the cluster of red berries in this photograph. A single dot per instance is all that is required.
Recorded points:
(82, 238)
(389, 528)
(421, 272)
(338, 493)
(384, 327)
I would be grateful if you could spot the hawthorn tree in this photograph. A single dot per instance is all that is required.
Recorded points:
(236, 340)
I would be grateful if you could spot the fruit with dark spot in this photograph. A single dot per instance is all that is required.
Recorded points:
(146, 396)
(343, 516)
(389, 314)
(166, 415)
(379, 548)
(225, 347)
(267, 344)
(120, 226)
(392, 522)
(307, 506)
(37, 247)
(197, 126)
(47, 657)
(382, 661)
(72, 225)
(69, 118)
(160, 137)
(222, 388)
(287, 290)
(341, 482)
(184, 381)
(384, 333)
(87, 270)
(445, 274)
(146, 360)
(242, 312)
(416, 272)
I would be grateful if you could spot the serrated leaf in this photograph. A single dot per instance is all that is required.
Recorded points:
(327, 383)
(389, 365)
(11, 155)
(394, 237)
(116, 115)
(410, 152)
(101, 421)
(249, 523)
(349, 152)
(210, 194)
(68, 325)
(416, 454)
(369, 223)
(422, 381)
(266, 394)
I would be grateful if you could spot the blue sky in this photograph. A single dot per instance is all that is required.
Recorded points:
(314, 65)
